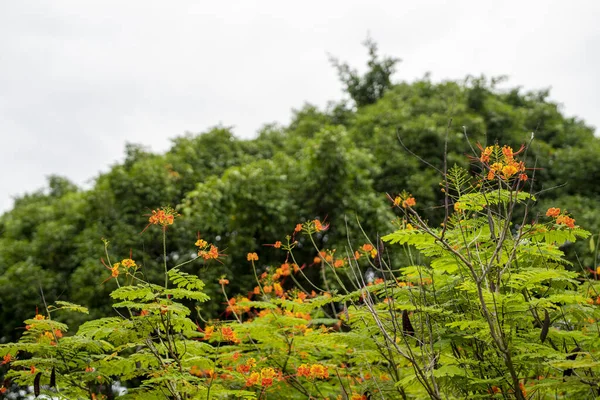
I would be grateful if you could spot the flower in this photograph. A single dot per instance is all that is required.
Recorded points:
(252, 257)
(164, 216)
(486, 153)
(409, 202)
(298, 228)
(229, 334)
(223, 281)
(553, 212)
(508, 153)
(128, 263)
(253, 379)
(565, 220)
(212, 253)
(201, 243)
(509, 170)
(208, 331)
(303, 370)
(7, 358)
(278, 289)
(319, 371)
(277, 244)
(267, 375)
(319, 225)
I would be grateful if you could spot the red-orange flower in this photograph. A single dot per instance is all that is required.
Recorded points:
(208, 332)
(7, 358)
(253, 379)
(565, 220)
(163, 216)
(211, 254)
(223, 281)
(409, 202)
(229, 334)
(553, 212)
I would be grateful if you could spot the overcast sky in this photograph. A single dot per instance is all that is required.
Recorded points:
(79, 79)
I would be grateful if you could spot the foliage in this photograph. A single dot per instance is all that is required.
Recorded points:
(483, 306)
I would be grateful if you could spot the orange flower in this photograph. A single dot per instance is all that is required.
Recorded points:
(319, 371)
(338, 263)
(509, 171)
(496, 167)
(409, 202)
(491, 175)
(267, 375)
(164, 216)
(523, 177)
(128, 263)
(277, 244)
(565, 220)
(39, 317)
(298, 228)
(508, 153)
(553, 212)
(2, 389)
(229, 334)
(252, 257)
(211, 254)
(367, 247)
(486, 153)
(201, 243)
(319, 225)
(253, 379)
(303, 370)
(223, 281)
(278, 289)
(7, 358)
(32, 370)
(208, 332)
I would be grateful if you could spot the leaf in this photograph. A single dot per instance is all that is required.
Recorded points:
(184, 280)
(65, 305)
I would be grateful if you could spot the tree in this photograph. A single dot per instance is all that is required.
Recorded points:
(371, 86)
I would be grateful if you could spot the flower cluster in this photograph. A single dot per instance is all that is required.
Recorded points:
(229, 335)
(125, 265)
(405, 200)
(501, 162)
(265, 378)
(163, 216)
(207, 251)
(314, 371)
(561, 218)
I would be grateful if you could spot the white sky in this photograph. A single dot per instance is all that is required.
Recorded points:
(79, 79)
